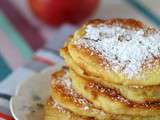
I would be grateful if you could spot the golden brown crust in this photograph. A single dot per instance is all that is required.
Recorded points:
(53, 111)
(66, 93)
(131, 23)
(113, 94)
(111, 100)
(62, 93)
(97, 88)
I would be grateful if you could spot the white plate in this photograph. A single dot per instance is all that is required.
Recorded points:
(31, 95)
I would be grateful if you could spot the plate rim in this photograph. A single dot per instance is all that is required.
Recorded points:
(18, 88)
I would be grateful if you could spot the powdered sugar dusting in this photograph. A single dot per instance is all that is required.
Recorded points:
(69, 91)
(60, 108)
(125, 50)
(65, 80)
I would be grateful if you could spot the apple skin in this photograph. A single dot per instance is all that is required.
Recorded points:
(57, 12)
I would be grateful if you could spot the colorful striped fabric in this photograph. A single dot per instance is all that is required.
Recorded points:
(18, 38)
(4, 68)
(26, 41)
(15, 38)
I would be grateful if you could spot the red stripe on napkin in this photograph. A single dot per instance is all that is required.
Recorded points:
(5, 117)
(43, 60)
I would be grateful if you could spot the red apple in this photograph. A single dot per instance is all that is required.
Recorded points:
(57, 12)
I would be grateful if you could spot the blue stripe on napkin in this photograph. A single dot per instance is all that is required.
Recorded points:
(4, 69)
(145, 11)
(5, 96)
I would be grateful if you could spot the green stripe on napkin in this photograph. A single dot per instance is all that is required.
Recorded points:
(4, 69)
(145, 11)
(15, 37)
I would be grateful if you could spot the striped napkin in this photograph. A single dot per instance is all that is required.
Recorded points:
(28, 46)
